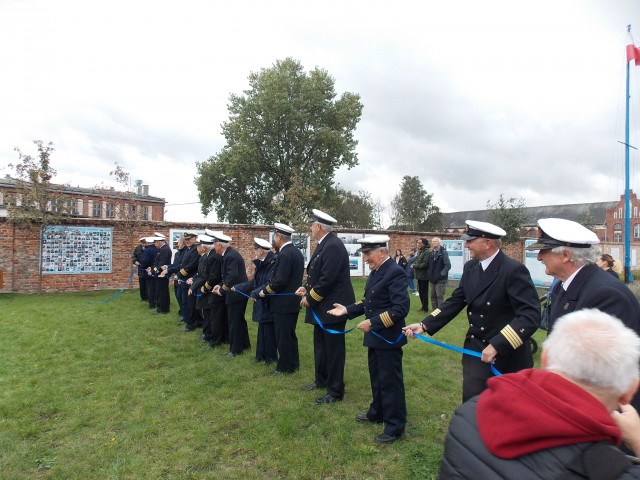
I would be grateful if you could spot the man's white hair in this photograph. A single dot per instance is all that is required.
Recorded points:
(324, 226)
(579, 256)
(594, 348)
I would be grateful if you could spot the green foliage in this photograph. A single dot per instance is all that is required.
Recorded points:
(353, 210)
(510, 215)
(585, 218)
(412, 208)
(111, 391)
(287, 125)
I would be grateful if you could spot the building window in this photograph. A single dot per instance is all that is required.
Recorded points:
(635, 212)
(97, 209)
(617, 226)
(145, 215)
(636, 231)
(111, 210)
(620, 212)
(615, 215)
(617, 238)
(72, 207)
(132, 211)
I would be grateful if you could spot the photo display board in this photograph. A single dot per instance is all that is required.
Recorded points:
(455, 250)
(350, 241)
(76, 250)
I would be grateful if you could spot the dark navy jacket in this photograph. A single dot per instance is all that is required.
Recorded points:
(386, 304)
(233, 272)
(148, 259)
(261, 277)
(286, 278)
(328, 280)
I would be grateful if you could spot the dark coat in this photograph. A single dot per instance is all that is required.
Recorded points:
(592, 287)
(148, 259)
(328, 280)
(466, 456)
(137, 257)
(503, 310)
(199, 279)
(188, 264)
(421, 264)
(286, 278)
(162, 258)
(214, 275)
(261, 277)
(386, 304)
(233, 272)
(439, 266)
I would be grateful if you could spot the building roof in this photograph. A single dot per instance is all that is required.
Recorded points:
(572, 211)
(8, 182)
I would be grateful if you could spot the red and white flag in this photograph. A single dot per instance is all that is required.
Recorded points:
(633, 52)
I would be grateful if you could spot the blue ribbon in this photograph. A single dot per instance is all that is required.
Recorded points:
(121, 290)
(266, 294)
(465, 351)
(335, 332)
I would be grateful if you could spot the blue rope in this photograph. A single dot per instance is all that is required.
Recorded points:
(465, 351)
(121, 290)
(335, 332)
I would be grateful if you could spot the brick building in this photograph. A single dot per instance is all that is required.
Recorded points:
(615, 220)
(98, 203)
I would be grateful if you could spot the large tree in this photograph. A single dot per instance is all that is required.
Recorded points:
(510, 215)
(412, 207)
(353, 210)
(287, 123)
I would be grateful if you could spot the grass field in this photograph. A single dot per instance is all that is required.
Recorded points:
(109, 391)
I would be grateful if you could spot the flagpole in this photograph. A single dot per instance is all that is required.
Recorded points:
(627, 204)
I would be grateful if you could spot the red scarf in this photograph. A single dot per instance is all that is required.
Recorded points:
(533, 410)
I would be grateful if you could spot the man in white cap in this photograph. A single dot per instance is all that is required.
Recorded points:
(328, 282)
(385, 305)
(566, 250)
(264, 262)
(502, 308)
(163, 257)
(233, 272)
(136, 258)
(146, 263)
(285, 279)
(184, 271)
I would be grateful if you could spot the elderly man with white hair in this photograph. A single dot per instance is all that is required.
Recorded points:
(559, 422)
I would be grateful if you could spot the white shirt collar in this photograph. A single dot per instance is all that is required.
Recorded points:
(568, 281)
(325, 236)
(285, 244)
(487, 261)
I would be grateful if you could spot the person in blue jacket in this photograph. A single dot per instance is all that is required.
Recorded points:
(385, 305)
(264, 262)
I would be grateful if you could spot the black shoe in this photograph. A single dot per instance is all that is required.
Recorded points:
(361, 417)
(384, 438)
(229, 354)
(328, 398)
(188, 329)
(312, 386)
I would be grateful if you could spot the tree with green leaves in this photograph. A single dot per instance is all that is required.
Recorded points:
(35, 203)
(287, 123)
(412, 208)
(510, 215)
(353, 210)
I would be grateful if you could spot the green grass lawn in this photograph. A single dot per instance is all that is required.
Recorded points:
(109, 391)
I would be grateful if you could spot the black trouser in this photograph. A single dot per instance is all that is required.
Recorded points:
(286, 341)
(238, 331)
(192, 317)
(266, 342)
(219, 324)
(142, 282)
(423, 291)
(206, 324)
(163, 301)
(329, 354)
(151, 291)
(387, 388)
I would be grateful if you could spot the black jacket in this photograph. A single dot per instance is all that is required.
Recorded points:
(328, 280)
(286, 278)
(261, 277)
(233, 272)
(386, 304)
(439, 266)
(503, 309)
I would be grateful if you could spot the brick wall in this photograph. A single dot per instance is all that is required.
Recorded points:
(19, 261)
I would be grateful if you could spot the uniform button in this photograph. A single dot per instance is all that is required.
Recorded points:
(484, 341)
(488, 304)
(473, 336)
(471, 324)
(481, 316)
(470, 313)
(482, 329)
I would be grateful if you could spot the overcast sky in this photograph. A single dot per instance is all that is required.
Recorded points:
(475, 98)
